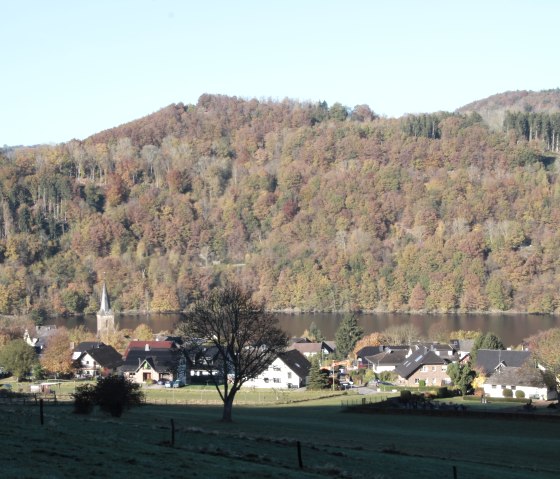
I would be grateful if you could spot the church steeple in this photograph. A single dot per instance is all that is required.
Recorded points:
(105, 308)
(105, 316)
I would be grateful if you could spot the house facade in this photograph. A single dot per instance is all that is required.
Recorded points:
(529, 380)
(152, 361)
(426, 363)
(288, 371)
(100, 360)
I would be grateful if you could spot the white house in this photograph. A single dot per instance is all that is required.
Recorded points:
(289, 370)
(530, 381)
(98, 360)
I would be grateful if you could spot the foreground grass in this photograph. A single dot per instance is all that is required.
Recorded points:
(262, 443)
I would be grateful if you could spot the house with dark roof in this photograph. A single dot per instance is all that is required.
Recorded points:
(150, 361)
(531, 381)
(203, 361)
(84, 346)
(490, 360)
(43, 334)
(463, 348)
(289, 370)
(428, 363)
(309, 349)
(387, 360)
(99, 360)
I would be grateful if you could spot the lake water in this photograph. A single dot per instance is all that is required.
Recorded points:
(511, 328)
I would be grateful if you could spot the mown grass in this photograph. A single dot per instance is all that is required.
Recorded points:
(262, 443)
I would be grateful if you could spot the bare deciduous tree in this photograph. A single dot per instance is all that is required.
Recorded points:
(246, 339)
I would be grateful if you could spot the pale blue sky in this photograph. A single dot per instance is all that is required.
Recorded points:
(71, 68)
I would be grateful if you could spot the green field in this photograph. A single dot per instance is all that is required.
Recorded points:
(262, 442)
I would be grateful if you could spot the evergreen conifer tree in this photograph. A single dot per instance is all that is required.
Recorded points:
(317, 379)
(347, 335)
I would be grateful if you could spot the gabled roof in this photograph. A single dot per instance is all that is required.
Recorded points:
(85, 345)
(149, 346)
(316, 347)
(296, 361)
(162, 360)
(517, 376)
(107, 357)
(369, 351)
(388, 357)
(464, 345)
(489, 359)
(418, 359)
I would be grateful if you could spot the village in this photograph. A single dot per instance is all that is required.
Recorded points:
(166, 362)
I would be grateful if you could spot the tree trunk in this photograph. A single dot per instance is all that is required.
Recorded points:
(228, 406)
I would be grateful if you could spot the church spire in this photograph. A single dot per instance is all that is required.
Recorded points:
(105, 304)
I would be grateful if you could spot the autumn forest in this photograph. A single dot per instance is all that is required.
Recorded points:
(314, 207)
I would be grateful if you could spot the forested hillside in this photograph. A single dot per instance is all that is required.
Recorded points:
(494, 108)
(314, 207)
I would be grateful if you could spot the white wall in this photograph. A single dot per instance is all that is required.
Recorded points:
(530, 392)
(277, 376)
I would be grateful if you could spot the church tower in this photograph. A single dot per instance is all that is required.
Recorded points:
(105, 316)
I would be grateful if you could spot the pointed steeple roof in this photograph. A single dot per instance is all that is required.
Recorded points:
(105, 308)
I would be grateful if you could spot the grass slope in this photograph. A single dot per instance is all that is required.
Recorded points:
(262, 443)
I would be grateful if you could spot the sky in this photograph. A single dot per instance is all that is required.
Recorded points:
(72, 68)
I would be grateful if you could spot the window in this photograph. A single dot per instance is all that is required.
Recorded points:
(433, 368)
(513, 388)
(493, 386)
(289, 375)
(276, 380)
(265, 380)
(416, 381)
(424, 369)
(444, 368)
(276, 368)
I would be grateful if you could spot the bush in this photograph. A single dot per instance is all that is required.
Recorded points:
(519, 394)
(442, 392)
(507, 393)
(112, 394)
(422, 383)
(84, 399)
(406, 396)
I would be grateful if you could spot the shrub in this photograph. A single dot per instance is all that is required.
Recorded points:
(507, 393)
(112, 394)
(442, 392)
(422, 383)
(406, 396)
(519, 394)
(84, 399)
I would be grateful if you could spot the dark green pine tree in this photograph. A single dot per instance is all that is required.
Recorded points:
(317, 379)
(347, 335)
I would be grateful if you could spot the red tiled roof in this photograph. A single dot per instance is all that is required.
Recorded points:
(151, 344)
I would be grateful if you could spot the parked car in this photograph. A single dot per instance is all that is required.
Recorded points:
(178, 383)
(168, 384)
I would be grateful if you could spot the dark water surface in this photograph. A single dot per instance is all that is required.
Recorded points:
(511, 328)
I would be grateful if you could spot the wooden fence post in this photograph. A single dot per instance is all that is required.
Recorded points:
(172, 433)
(454, 472)
(41, 411)
(300, 462)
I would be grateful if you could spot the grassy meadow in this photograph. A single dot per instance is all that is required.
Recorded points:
(262, 441)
